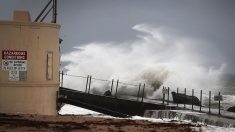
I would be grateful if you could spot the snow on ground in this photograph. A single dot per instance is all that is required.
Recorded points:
(73, 110)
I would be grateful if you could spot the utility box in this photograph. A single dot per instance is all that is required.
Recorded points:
(29, 74)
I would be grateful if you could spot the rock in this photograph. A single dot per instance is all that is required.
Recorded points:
(182, 99)
(107, 93)
(231, 109)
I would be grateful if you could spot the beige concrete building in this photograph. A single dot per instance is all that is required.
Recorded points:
(29, 75)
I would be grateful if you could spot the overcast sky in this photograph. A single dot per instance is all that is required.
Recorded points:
(85, 21)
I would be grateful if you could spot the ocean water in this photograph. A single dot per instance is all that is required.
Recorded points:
(157, 57)
(228, 84)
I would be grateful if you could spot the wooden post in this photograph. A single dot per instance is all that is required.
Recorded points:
(143, 93)
(138, 94)
(201, 101)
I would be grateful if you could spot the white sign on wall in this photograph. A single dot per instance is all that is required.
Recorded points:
(14, 75)
(14, 65)
(15, 62)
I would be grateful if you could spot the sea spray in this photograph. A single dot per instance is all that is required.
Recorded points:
(156, 58)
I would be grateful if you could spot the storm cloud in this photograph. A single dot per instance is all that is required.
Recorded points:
(86, 21)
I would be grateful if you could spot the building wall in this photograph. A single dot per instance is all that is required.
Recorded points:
(37, 93)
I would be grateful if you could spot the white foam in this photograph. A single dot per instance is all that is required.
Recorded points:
(73, 110)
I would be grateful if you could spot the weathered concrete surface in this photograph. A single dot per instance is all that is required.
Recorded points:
(36, 94)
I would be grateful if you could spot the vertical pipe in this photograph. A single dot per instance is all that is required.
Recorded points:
(116, 89)
(192, 98)
(138, 94)
(209, 102)
(53, 11)
(177, 96)
(89, 84)
(55, 16)
(87, 81)
(62, 79)
(219, 103)
(168, 95)
(184, 95)
(201, 101)
(143, 93)
(112, 86)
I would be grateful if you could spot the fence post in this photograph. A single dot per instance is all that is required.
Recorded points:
(219, 103)
(87, 81)
(209, 102)
(168, 95)
(112, 86)
(116, 88)
(177, 96)
(201, 101)
(163, 96)
(192, 98)
(89, 85)
(143, 93)
(62, 78)
(138, 94)
(184, 95)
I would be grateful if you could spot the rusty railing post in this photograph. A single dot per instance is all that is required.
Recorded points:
(112, 86)
(209, 102)
(87, 81)
(163, 96)
(192, 98)
(219, 103)
(168, 95)
(138, 94)
(89, 85)
(201, 101)
(62, 79)
(143, 93)
(177, 96)
(185, 96)
(116, 88)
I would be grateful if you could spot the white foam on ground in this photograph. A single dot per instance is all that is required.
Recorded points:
(73, 110)
(216, 129)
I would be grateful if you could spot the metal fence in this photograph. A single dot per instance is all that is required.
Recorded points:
(138, 92)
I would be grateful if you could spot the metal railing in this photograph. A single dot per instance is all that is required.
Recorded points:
(138, 92)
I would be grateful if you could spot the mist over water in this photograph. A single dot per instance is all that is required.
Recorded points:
(157, 57)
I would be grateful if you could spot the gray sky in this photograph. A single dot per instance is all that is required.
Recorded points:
(85, 21)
